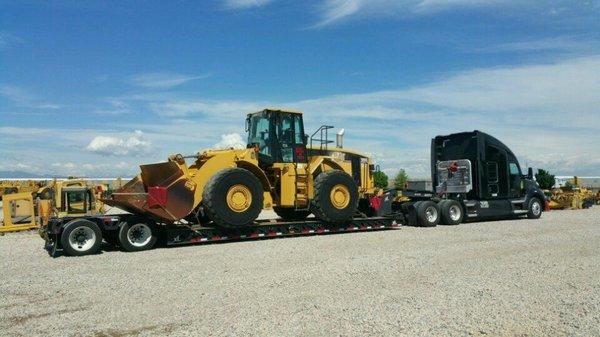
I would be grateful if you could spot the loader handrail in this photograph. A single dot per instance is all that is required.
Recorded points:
(323, 129)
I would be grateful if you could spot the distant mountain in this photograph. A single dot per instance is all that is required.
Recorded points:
(20, 174)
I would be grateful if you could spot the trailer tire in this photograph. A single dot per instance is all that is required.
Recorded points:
(428, 213)
(534, 208)
(81, 237)
(336, 196)
(233, 198)
(136, 235)
(452, 212)
(291, 214)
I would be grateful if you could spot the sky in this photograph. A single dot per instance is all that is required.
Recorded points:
(96, 88)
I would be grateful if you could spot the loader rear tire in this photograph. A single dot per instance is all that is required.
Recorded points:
(233, 198)
(291, 214)
(336, 196)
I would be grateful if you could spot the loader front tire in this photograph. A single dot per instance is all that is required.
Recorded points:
(336, 196)
(233, 198)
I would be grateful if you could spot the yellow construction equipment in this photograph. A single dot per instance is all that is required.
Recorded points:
(18, 186)
(59, 198)
(280, 168)
(573, 196)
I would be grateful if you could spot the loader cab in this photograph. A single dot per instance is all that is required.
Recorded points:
(278, 136)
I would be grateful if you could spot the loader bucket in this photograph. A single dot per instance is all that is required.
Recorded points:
(176, 205)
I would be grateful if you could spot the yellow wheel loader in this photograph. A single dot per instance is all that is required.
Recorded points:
(280, 168)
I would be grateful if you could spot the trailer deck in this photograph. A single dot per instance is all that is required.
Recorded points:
(176, 235)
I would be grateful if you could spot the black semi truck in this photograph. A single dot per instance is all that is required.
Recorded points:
(476, 177)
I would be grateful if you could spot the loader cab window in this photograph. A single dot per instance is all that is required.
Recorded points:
(259, 133)
(290, 135)
(278, 135)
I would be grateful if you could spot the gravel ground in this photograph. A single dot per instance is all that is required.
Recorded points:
(501, 278)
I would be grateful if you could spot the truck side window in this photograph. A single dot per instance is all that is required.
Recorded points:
(514, 169)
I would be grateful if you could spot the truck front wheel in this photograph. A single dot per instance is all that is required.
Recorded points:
(136, 236)
(81, 237)
(534, 208)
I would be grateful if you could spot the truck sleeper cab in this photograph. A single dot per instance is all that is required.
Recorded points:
(484, 176)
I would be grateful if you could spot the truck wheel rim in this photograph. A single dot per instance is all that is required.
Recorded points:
(431, 214)
(536, 208)
(455, 212)
(82, 239)
(139, 235)
(239, 198)
(340, 196)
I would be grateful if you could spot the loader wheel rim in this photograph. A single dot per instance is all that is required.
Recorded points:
(139, 235)
(239, 198)
(340, 196)
(82, 239)
(455, 212)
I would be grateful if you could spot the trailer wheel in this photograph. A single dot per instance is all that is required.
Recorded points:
(452, 212)
(81, 237)
(291, 214)
(136, 235)
(535, 208)
(428, 213)
(336, 196)
(233, 198)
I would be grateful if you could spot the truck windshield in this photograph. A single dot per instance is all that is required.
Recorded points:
(259, 132)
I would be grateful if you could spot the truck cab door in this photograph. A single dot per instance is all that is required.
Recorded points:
(515, 181)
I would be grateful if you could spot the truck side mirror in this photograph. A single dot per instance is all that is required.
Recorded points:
(530, 173)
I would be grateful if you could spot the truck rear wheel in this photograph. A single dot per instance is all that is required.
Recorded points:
(336, 196)
(428, 213)
(534, 208)
(291, 214)
(81, 237)
(452, 212)
(136, 235)
(233, 198)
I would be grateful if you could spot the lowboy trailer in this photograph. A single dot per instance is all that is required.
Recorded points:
(81, 236)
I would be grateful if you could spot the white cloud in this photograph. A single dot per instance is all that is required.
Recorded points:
(243, 4)
(8, 39)
(182, 108)
(332, 11)
(231, 140)
(163, 80)
(22, 98)
(109, 145)
(561, 43)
